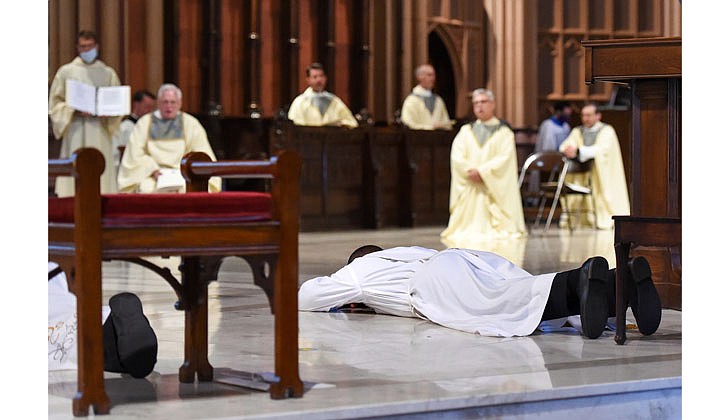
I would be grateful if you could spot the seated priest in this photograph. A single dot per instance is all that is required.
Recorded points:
(423, 109)
(151, 161)
(598, 141)
(481, 292)
(318, 107)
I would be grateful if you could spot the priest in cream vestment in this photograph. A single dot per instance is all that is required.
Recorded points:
(317, 107)
(597, 140)
(159, 141)
(485, 200)
(423, 109)
(76, 129)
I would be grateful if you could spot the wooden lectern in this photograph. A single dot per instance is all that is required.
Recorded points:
(652, 68)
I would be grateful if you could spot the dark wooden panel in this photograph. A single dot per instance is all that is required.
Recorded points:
(653, 69)
(652, 183)
(136, 70)
(659, 240)
(525, 139)
(232, 57)
(54, 152)
(664, 262)
(245, 138)
(386, 176)
(632, 59)
(332, 177)
(188, 47)
(238, 138)
(428, 176)
(621, 120)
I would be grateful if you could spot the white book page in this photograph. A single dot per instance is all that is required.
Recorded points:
(170, 180)
(80, 96)
(113, 101)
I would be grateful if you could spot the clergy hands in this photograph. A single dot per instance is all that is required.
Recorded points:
(570, 151)
(156, 174)
(474, 176)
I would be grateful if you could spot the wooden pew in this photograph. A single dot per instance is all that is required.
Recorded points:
(386, 172)
(370, 177)
(262, 228)
(427, 176)
(332, 179)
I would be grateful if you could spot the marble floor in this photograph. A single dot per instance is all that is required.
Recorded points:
(366, 366)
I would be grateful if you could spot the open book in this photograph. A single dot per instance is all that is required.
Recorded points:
(103, 101)
(170, 180)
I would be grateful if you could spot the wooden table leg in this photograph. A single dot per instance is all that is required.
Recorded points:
(621, 251)
(90, 391)
(286, 333)
(194, 288)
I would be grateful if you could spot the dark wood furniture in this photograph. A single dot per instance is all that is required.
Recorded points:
(369, 177)
(630, 231)
(427, 179)
(85, 230)
(652, 68)
(386, 169)
(332, 177)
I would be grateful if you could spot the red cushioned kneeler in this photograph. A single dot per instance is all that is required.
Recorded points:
(200, 228)
(173, 208)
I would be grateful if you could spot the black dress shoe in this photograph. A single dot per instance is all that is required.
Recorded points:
(593, 305)
(130, 345)
(111, 353)
(644, 300)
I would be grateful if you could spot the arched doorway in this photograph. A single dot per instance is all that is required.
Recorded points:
(445, 74)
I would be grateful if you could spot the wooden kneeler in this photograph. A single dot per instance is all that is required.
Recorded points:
(261, 228)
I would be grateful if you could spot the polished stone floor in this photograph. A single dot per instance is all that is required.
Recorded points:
(363, 366)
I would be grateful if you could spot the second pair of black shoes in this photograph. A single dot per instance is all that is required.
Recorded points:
(594, 292)
(130, 345)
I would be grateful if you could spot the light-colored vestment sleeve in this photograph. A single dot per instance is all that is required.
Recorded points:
(304, 112)
(492, 209)
(609, 184)
(381, 280)
(416, 116)
(121, 138)
(143, 155)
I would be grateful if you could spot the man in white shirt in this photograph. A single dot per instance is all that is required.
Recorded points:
(554, 130)
(480, 292)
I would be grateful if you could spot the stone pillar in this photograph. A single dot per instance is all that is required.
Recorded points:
(512, 42)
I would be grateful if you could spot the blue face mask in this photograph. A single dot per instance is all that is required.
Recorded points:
(88, 56)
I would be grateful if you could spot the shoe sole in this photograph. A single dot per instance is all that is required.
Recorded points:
(594, 306)
(136, 341)
(648, 309)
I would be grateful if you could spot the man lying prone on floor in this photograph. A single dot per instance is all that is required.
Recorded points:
(480, 292)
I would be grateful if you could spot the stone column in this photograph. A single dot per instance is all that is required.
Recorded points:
(512, 59)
